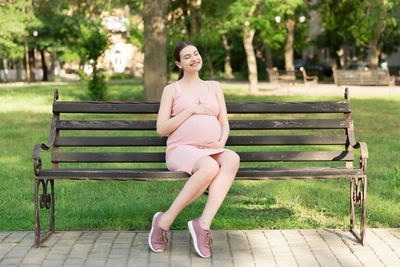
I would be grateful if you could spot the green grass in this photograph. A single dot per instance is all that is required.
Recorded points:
(25, 115)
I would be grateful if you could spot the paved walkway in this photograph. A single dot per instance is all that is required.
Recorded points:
(322, 247)
(267, 88)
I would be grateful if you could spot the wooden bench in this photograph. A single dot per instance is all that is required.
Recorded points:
(362, 77)
(282, 76)
(321, 135)
(308, 79)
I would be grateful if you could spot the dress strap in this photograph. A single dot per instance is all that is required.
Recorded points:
(210, 89)
(178, 87)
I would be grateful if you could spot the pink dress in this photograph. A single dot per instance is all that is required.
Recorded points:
(182, 151)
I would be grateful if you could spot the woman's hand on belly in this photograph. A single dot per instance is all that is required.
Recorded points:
(218, 144)
(200, 110)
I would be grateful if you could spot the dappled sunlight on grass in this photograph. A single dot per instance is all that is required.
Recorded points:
(33, 105)
(9, 160)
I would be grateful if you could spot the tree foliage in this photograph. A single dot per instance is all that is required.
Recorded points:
(65, 29)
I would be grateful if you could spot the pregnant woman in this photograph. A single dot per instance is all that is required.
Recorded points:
(193, 115)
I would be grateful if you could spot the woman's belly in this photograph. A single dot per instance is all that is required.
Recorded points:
(196, 130)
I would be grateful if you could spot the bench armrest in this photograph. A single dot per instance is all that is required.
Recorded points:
(364, 149)
(36, 150)
(37, 161)
(364, 154)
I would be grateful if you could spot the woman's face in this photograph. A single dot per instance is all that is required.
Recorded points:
(190, 59)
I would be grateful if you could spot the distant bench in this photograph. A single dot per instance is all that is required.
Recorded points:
(295, 76)
(362, 77)
(282, 76)
(322, 137)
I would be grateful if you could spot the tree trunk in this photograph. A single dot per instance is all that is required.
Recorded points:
(251, 58)
(268, 57)
(227, 61)
(155, 48)
(26, 61)
(52, 69)
(269, 63)
(195, 11)
(19, 71)
(373, 53)
(44, 66)
(32, 67)
(248, 36)
(210, 68)
(289, 45)
(5, 67)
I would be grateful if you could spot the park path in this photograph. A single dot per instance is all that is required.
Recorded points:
(268, 88)
(312, 247)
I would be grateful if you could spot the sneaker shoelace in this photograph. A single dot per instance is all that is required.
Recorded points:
(208, 240)
(163, 238)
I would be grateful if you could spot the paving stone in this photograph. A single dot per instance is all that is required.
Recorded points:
(240, 249)
(319, 248)
(52, 263)
(364, 253)
(35, 256)
(280, 248)
(382, 250)
(4, 235)
(180, 249)
(197, 261)
(220, 249)
(260, 248)
(300, 248)
(387, 236)
(139, 252)
(339, 248)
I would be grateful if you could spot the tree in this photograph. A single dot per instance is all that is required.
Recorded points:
(155, 48)
(91, 44)
(11, 34)
(373, 17)
(272, 36)
(339, 23)
(17, 20)
(216, 20)
(289, 11)
(243, 16)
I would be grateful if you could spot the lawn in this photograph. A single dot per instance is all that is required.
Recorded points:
(25, 115)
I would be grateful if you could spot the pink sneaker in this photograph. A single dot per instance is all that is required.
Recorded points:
(158, 237)
(201, 238)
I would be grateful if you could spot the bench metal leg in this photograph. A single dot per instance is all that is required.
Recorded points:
(43, 200)
(358, 197)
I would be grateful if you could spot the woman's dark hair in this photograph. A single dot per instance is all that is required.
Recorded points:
(178, 48)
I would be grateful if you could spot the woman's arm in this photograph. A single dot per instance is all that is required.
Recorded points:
(223, 114)
(222, 117)
(167, 124)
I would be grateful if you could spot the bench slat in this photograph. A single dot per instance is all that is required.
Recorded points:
(234, 124)
(130, 107)
(290, 107)
(87, 141)
(291, 156)
(296, 156)
(272, 173)
(114, 107)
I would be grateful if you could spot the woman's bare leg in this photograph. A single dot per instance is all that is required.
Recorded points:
(229, 164)
(204, 172)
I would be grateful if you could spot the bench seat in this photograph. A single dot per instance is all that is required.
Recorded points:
(161, 174)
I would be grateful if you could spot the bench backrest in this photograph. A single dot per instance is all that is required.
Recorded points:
(283, 75)
(260, 131)
(361, 77)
